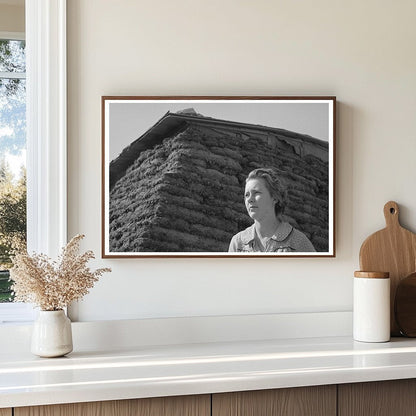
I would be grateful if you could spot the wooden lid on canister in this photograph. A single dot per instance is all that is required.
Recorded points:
(372, 275)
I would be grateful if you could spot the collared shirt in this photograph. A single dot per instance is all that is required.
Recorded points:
(285, 239)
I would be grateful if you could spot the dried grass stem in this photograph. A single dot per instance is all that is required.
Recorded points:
(53, 285)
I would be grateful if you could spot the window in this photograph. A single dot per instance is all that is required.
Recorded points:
(12, 153)
(46, 135)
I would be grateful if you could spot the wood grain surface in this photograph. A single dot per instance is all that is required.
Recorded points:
(405, 306)
(384, 398)
(392, 250)
(160, 406)
(372, 275)
(5, 412)
(300, 401)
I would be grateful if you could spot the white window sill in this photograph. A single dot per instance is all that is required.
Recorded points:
(16, 313)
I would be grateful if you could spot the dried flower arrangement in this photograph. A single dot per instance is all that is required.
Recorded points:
(53, 285)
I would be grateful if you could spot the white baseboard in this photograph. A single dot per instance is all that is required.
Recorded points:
(127, 334)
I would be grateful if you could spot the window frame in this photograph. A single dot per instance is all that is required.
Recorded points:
(46, 121)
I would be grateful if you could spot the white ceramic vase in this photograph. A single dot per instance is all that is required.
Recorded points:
(52, 334)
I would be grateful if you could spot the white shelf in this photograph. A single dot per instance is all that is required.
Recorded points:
(166, 370)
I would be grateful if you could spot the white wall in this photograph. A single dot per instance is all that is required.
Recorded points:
(361, 51)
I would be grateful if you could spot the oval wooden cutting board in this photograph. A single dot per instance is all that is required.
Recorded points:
(393, 250)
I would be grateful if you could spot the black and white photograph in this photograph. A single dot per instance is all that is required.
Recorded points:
(218, 176)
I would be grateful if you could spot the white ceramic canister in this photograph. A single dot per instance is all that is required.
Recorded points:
(371, 309)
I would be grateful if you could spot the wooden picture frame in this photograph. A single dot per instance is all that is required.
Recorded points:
(174, 171)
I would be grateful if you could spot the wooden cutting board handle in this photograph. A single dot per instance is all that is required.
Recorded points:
(393, 250)
(391, 214)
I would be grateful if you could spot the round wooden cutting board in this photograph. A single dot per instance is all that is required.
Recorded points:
(405, 306)
(393, 250)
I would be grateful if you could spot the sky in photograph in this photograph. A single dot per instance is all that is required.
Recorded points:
(129, 120)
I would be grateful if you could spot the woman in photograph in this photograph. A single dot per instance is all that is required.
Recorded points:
(264, 198)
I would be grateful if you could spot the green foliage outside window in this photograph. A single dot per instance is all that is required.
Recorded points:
(12, 223)
(12, 148)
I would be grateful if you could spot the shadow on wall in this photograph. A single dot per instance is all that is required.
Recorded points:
(179, 187)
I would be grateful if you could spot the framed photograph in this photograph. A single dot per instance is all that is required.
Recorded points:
(218, 176)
